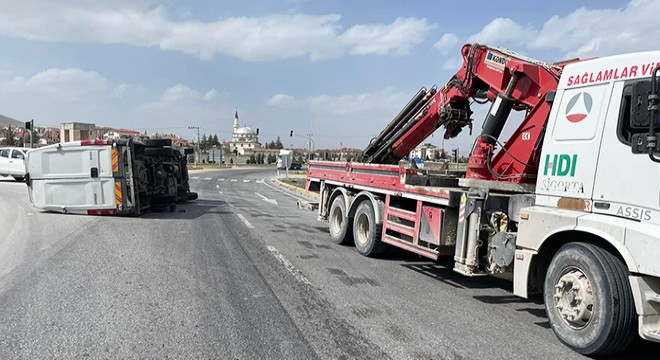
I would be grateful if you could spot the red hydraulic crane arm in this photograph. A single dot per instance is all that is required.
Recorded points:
(510, 82)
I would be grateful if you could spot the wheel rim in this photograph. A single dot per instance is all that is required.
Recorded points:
(336, 219)
(362, 229)
(574, 298)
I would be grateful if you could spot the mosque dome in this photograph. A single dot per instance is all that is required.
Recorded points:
(244, 131)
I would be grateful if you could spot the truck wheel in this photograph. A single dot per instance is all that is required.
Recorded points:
(340, 225)
(157, 142)
(192, 196)
(159, 151)
(365, 231)
(588, 300)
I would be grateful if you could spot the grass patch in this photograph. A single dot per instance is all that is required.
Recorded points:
(295, 181)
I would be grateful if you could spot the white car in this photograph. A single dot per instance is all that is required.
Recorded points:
(12, 162)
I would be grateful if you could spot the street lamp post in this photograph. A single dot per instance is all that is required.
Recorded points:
(197, 153)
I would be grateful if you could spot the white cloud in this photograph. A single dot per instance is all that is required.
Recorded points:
(124, 89)
(447, 43)
(503, 32)
(282, 101)
(262, 38)
(210, 95)
(56, 95)
(586, 32)
(378, 39)
(68, 84)
(179, 92)
(360, 115)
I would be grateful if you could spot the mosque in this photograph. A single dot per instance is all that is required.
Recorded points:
(243, 139)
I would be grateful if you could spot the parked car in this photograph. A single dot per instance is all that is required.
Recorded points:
(12, 162)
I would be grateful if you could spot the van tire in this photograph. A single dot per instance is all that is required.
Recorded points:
(151, 143)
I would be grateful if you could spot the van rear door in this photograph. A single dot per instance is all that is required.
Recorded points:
(72, 177)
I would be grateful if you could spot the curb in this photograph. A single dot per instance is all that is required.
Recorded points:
(298, 190)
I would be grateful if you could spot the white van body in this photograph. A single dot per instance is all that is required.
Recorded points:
(72, 177)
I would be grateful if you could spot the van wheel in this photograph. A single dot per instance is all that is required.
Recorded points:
(339, 224)
(157, 142)
(588, 300)
(365, 231)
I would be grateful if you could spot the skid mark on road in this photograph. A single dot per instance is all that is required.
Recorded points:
(352, 281)
(289, 267)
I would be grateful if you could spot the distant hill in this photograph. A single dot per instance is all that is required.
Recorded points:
(4, 121)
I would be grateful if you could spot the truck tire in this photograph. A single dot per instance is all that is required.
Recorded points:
(159, 151)
(588, 300)
(339, 224)
(151, 143)
(366, 233)
(192, 196)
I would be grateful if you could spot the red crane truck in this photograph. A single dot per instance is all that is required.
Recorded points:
(569, 203)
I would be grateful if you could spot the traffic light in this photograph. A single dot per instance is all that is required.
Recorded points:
(291, 133)
(454, 153)
(28, 125)
(257, 131)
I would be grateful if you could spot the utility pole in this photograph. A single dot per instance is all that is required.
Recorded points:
(198, 153)
(309, 146)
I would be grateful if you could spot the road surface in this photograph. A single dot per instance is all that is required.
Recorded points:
(242, 273)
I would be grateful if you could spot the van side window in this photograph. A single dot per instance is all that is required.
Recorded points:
(634, 117)
(17, 154)
(4, 153)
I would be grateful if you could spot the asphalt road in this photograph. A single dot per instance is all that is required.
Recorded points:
(242, 273)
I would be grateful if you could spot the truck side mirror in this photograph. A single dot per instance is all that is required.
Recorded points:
(640, 116)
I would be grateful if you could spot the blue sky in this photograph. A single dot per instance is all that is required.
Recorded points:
(336, 69)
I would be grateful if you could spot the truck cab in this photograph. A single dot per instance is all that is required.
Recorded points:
(596, 187)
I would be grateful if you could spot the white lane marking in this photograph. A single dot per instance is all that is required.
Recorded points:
(246, 180)
(259, 181)
(245, 221)
(289, 267)
(270, 201)
(207, 178)
(234, 180)
(194, 177)
(221, 179)
(217, 186)
(220, 192)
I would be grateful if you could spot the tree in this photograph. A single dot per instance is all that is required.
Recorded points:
(203, 142)
(278, 144)
(271, 158)
(252, 159)
(10, 137)
(214, 140)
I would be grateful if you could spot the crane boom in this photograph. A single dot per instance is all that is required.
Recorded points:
(509, 81)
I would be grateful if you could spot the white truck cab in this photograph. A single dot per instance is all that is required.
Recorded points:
(594, 189)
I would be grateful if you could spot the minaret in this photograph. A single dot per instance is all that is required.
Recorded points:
(236, 121)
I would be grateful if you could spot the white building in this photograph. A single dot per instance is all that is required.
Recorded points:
(426, 152)
(243, 138)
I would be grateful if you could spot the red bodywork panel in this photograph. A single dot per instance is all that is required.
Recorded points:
(384, 177)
